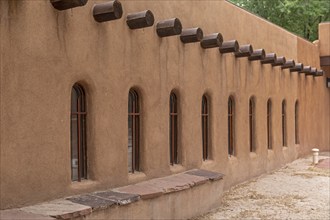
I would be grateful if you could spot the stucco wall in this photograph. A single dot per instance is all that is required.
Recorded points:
(324, 47)
(45, 51)
(324, 36)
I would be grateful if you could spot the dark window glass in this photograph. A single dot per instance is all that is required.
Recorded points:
(284, 137)
(205, 127)
(133, 132)
(173, 129)
(296, 122)
(78, 134)
(269, 124)
(252, 124)
(231, 123)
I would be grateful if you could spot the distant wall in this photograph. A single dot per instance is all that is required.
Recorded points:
(324, 36)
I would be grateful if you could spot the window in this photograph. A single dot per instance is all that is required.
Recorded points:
(284, 141)
(231, 123)
(173, 129)
(252, 124)
(133, 132)
(78, 134)
(296, 122)
(269, 124)
(205, 127)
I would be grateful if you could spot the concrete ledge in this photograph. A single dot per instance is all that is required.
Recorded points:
(117, 197)
(81, 206)
(61, 209)
(145, 190)
(94, 202)
(207, 174)
(16, 214)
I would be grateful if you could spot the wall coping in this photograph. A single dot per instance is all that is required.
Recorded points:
(85, 204)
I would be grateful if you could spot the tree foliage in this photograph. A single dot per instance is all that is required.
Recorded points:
(298, 16)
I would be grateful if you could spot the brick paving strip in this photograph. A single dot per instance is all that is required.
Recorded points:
(82, 205)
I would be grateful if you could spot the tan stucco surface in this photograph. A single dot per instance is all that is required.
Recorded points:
(324, 37)
(45, 51)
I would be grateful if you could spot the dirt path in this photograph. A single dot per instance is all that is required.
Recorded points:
(297, 191)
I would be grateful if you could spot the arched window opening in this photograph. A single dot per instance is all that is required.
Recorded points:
(269, 124)
(252, 124)
(284, 137)
(231, 123)
(78, 134)
(133, 132)
(205, 127)
(173, 129)
(296, 122)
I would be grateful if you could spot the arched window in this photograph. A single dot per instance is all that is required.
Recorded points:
(78, 134)
(231, 123)
(252, 124)
(173, 129)
(284, 141)
(296, 122)
(269, 124)
(205, 127)
(133, 132)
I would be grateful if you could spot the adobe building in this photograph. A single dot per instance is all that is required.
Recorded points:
(99, 94)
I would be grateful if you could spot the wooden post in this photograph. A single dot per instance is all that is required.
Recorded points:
(140, 19)
(244, 51)
(67, 4)
(288, 64)
(258, 54)
(191, 35)
(107, 11)
(279, 61)
(298, 67)
(211, 41)
(269, 58)
(231, 46)
(169, 27)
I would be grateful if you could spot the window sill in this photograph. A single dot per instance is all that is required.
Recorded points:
(177, 168)
(232, 159)
(136, 177)
(270, 153)
(253, 155)
(208, 164)
(84, 184)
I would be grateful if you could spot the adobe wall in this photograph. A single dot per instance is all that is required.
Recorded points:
(45, 51)
(324, 47)
(324, 35)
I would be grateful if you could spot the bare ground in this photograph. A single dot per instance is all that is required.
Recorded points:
(297, 191)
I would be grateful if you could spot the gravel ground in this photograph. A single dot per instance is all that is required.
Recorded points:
(297, 191)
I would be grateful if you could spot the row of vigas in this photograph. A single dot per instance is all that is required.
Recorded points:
(112, 10)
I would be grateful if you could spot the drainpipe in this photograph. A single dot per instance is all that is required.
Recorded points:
(315, 155)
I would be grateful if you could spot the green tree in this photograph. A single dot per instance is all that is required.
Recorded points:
(298, 16)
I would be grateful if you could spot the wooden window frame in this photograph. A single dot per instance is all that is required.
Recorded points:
(252, 124)
(173, 131)
(205, 127)
(231, 126)
(269, 124)
(284, 128)
(296, 122)
(80, 134)
(134, 129)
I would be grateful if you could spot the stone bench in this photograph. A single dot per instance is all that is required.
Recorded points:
(83, 205)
